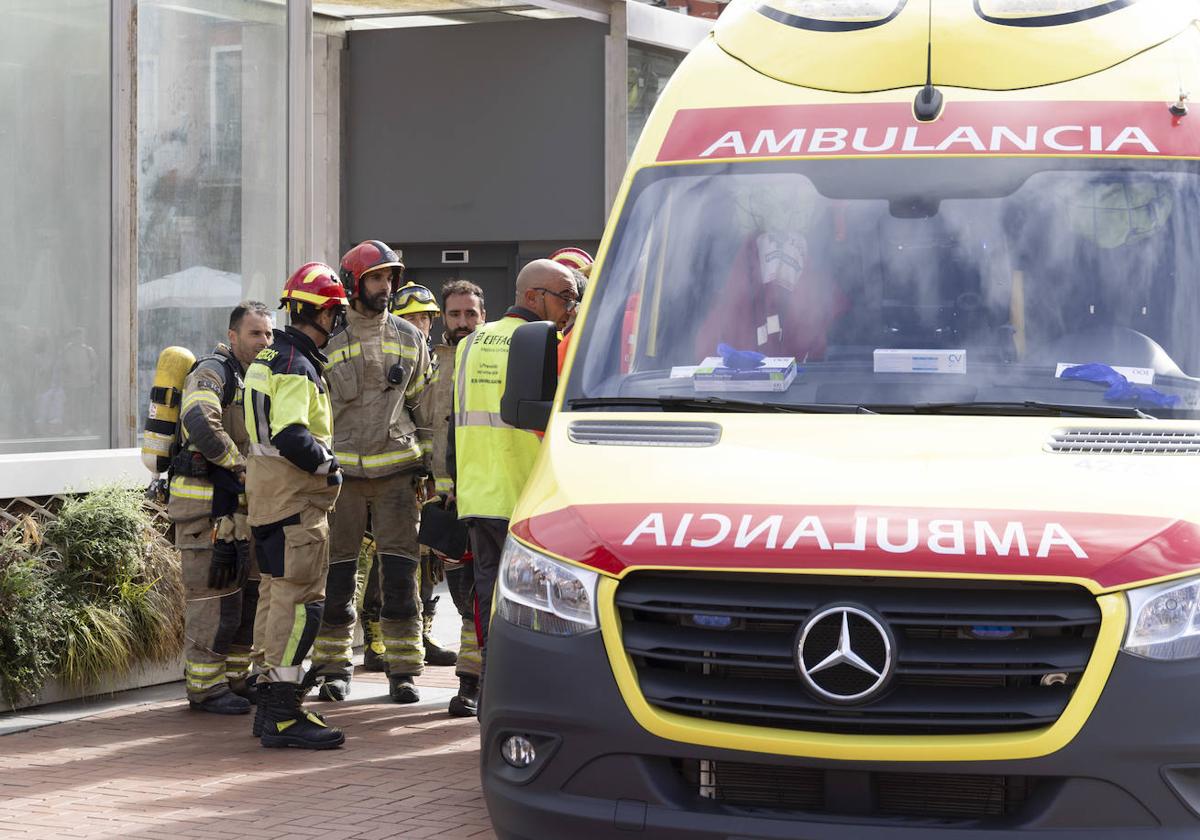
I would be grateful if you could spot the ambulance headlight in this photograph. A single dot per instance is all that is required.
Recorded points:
(540, 593)
(1164, 620)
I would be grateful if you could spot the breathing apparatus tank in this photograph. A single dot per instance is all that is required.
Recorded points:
(162, 415)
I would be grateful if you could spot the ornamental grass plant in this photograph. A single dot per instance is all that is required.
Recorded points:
(31, 628)
(100, 589)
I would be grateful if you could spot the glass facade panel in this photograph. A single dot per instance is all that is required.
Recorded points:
(55, 224)
(212, 169)
(649, 72)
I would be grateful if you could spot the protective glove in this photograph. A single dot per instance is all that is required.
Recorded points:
(435, 568)
(223, 567)
(740, 359)
(332, 470)
(243, 559)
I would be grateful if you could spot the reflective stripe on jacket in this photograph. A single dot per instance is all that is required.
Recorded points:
(493, 459)
(288, 420)
(378, 425)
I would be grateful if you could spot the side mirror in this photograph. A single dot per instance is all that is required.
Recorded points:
(532, 376)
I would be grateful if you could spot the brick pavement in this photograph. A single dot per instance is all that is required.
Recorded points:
(162, 772)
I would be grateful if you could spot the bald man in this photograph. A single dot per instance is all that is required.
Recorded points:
(488, 459)
(546, 290)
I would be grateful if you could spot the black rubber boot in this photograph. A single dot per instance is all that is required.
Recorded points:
(223, 704)
(247, 688)
(402, 688)
(374, 651)
(334, 689)
(464, 704)
(287, 724)
(435, 654)
(260, 711)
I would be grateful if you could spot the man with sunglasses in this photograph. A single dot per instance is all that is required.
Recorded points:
(378, 371)
(490, 460)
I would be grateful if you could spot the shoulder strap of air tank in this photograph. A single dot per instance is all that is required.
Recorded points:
(230, 376)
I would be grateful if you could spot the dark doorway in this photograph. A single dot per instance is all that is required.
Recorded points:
(491, 267)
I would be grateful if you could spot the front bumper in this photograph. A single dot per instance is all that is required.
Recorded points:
(1132, 771)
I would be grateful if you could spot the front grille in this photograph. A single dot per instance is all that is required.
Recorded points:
(971, 657)
(1125, 441)
(943, 796)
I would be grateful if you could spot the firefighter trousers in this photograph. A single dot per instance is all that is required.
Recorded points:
(487, 542)
(460, 580)
(293, 556)
(218, 627)
(246, 653)
(390, 504)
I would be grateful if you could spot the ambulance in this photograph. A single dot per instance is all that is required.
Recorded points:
(869, 501)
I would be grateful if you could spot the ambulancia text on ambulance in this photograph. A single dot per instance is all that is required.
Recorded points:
(868, 505)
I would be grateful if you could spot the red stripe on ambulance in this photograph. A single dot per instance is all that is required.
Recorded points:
(1111, 550)
(973, 128)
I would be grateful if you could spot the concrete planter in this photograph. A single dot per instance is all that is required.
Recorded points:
(56, 691)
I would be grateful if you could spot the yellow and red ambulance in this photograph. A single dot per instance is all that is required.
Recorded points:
(868, 506)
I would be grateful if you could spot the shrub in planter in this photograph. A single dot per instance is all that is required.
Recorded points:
(124, 595)
(110, 593)
(31, 631)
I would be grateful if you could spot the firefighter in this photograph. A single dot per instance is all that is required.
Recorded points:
(292, 481)
(378, 371)
(462, 311)
(491, 460)
(416, 305)
(580, 263)
(208, 508)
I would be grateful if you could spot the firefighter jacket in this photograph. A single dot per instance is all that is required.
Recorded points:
(212, 428)
(493, 459)
(440, 402)
(378, 373)
(289, 423)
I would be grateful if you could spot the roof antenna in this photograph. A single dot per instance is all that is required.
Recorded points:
(927, 107)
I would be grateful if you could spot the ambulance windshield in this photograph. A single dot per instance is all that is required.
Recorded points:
(898, 283)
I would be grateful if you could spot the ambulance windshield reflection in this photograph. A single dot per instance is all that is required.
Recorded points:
(898, 283)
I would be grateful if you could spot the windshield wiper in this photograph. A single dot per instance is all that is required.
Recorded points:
(1034, 405)
(717, 404)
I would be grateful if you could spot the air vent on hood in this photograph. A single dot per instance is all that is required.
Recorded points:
(1125, 441)
(641, 433)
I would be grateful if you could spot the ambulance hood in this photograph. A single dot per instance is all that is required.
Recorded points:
(921, 496)
(875, 45)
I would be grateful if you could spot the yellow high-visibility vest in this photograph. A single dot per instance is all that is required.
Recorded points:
(493, 459)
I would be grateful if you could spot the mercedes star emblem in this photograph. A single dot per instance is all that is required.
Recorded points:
(845, 654)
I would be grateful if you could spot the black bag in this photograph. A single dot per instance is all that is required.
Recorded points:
(441, 529)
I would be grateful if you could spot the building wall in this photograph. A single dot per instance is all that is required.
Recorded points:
(55, 224)
(476, 133)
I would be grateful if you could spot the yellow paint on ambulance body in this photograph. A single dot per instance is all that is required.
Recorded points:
(967, 50)
(1147, 52)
